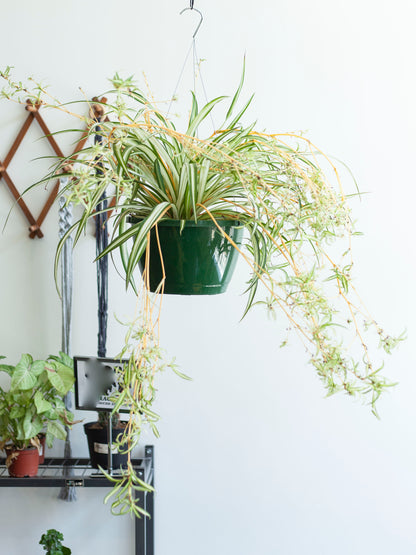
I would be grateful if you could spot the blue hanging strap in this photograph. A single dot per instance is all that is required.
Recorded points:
(67, 493)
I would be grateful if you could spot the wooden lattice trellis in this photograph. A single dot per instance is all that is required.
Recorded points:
(34, 114)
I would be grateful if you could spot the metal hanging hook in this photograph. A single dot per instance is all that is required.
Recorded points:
(194, 10)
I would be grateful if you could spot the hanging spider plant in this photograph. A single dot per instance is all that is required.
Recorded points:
(272, 185)
(264, 182)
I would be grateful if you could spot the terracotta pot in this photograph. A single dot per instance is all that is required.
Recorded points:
(22, 462)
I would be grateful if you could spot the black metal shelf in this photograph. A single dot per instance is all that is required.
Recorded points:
(58, 472)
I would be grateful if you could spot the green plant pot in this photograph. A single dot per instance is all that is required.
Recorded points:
(197, 261)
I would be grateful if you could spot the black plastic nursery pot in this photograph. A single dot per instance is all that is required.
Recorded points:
(199, 260)
(97, 437)
(22, 462)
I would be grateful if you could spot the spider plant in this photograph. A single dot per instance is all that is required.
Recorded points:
(272, 184)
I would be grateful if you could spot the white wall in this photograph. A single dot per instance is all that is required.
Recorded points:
(252, 458)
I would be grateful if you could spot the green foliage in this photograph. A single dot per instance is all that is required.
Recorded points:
(34, 401)
(103, 419)
(273, 184)
(138, 392)
(52, 543)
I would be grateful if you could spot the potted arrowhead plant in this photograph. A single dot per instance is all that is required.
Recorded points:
(266, 197)
(33, 403)
(51, 542)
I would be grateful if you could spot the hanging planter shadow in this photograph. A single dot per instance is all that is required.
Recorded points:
(198, 260)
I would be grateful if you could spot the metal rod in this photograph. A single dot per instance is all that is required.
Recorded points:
(110, 444)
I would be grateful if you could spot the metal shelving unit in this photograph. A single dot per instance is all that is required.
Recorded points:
(58, 472)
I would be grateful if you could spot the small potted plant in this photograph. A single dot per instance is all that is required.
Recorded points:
(97, 435)
(51, 542)
(32, 403)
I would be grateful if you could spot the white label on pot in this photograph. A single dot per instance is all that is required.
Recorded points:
(103, 448)
(40, 449)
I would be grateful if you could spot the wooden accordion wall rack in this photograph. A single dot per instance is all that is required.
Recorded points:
(97, 112)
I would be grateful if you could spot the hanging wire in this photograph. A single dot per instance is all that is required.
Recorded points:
(191, 48)
(203, 85)
(180, 78)
(196, 68)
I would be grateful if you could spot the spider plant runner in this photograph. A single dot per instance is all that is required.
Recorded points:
(272, 186)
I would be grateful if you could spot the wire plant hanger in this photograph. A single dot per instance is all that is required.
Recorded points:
(196, 62)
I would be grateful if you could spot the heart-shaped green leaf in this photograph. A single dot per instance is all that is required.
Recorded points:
(56, 430)
(23, 377)
(60, 376)
(42, 405)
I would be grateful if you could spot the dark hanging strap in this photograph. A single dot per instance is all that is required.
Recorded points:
(101, 243)
(102, 277)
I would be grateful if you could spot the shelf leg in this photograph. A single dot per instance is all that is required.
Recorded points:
(149, 524)
(140, 527)
(144, 527)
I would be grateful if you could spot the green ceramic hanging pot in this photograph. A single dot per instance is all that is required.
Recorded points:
(198, 260)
